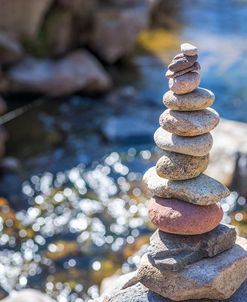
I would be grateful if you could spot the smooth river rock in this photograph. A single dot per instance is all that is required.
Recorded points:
(177, 166)
(211, 278)
(181, 62)
(174, 252)
(202, 190)
(185, 83)
(195, 146)
(172, 74)
(198, 99)
(187, 123)
(140, 293)
(178, 217)
(189, 49)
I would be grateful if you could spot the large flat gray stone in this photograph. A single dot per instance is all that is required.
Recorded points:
(211, 278)
(174, 252)
(139, 293)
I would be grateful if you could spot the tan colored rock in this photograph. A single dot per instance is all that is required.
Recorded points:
(202, 190)
(189, 123)
(185, 83)
(177, 166)
(212, 278)
(198, 99)
(181, 62)
(176, 216)
(195, 146)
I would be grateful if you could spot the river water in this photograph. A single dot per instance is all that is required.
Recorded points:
(74, 212)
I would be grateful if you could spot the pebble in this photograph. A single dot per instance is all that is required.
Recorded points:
(181, 62)
(195, 145)
(187, 123)
(177, 166)
(195, 67)
(185, 83)
(175, 252)
(198, 99)
(211, 278)
(189, 49)
(178, 217)
(202, 190)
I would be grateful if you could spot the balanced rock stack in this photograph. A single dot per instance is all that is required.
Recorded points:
(191, 255)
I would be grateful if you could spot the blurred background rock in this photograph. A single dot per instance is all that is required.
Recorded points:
(83, 82)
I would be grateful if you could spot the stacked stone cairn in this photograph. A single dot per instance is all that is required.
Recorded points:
(191, 255)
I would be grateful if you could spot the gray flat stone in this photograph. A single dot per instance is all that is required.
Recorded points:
(186, 123)
(198, 99)
(174, 252)
(140, 293)
(194, 145)
(181, 62)
(202, 190)
(211, 278)
(189, 49)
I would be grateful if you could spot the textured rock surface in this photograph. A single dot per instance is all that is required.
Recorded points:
(140, 293)
(185, 83)
(116, 283)
(202, 190)
(189, 49)
(198, 99)
(178, 217)
(195, 146)
(27, 295)
(174, 252)
(211, 278)
(181, 62)
(195, 67)
(177, 166)
(189, 123)
(79, 71)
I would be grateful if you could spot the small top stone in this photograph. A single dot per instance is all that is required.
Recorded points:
(189, 49)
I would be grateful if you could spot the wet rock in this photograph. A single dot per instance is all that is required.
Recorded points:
(11, 50)
(189, 123)
(202, 190)
(205, 279)
(116, 29)
(178, 217)
(27, 295)
(195, 146)
(189, 49)
(79, 71)
(22, 17)
(177, 166)
(198, 99)
(185, 83)
(181, 62)
(140, 293)
(174, 252)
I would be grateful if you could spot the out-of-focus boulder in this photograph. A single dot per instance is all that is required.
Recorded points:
(79, 71)
(67, 25)
(116, 28)
(22, 17)
(10, 49)
(229, 140)
(27, 295)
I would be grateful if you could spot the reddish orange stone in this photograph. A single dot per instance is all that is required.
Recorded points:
(179, 217)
